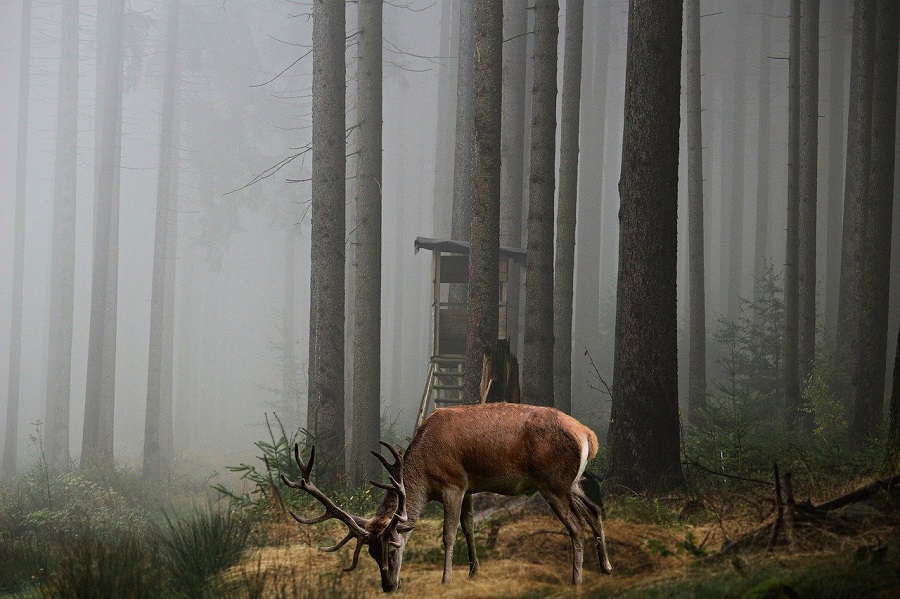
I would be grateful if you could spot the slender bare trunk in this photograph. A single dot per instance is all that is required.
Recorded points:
(326, 311)
(97, 441)
(697, 334)
(367, 325)
(537, 376)
(563, 285)
(808, 155)
(792, 245)
(512, 150)
(10, 442)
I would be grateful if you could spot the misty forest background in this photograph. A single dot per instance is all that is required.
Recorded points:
(159, 198)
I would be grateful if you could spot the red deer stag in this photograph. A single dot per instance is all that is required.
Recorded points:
(511, 449)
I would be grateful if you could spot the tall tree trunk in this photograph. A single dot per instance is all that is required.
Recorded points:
(837, 111)
(484, 254)
(512, 150)
(537, 377)
(326, 311)
(808, 155)
(792, 245)
(875, 216)
(586, 317)
(167, 378)
(446, 126)
(859, 133)
(644, 433)
(735, 211)
(367, 325)
(155, 467)
(697, 317)
(893, 441)
(563, 285)
(10, 442)
(850, 339)
(97, 441)
(465, 123)
(289, 359)
(762, 252)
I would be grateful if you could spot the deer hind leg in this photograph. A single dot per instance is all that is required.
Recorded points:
(592, 514)
(468, 526)
(570, 518)
(452, 500)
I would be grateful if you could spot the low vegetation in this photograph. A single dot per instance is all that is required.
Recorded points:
(95, 532)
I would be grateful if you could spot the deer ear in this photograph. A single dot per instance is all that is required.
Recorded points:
(404, 528)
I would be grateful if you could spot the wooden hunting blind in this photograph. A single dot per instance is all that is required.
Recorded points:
(450, 275)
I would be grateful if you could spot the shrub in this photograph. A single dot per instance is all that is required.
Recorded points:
(203, 545)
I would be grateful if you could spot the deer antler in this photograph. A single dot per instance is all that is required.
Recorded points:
(395, 473)
(356, 526)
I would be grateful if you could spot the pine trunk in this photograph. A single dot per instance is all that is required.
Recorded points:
(537, 376)
(326, 311)
(367, 325)
(10, 442)
(644, 433)
(563, 285)
(697, 317)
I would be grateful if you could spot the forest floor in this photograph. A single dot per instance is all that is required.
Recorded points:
(664, 548)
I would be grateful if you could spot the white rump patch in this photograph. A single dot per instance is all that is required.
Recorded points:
(585, 448)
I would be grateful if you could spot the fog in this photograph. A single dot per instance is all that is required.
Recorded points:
(244, 108)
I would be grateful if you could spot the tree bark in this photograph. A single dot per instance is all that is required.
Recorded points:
(329, 165)
(97, 441)
(644, 433)
(155, 466)
(367, 347)
(537, 376)
(762, 251)
(808, 155)
(10, 441)
(837, 112)
(735, 211)
(512, 151)
(563, 285)
(465, 124)
(859, 149)
(484, 253)
(893, 444)
(875, 216)
(586, 317)
(697, 317)
(446, 126)
(792, 244)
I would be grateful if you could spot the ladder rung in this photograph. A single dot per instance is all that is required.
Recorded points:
(447, 387)
(449, 401)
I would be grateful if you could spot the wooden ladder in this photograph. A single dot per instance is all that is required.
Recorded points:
(444, 384)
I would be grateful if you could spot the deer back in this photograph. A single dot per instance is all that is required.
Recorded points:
(503, 448)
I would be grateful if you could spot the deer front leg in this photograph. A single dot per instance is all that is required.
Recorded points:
(452, 500)
(468, 527)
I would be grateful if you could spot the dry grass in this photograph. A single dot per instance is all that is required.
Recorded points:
(529, 555)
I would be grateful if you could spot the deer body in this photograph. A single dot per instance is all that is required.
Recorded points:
(509, 449)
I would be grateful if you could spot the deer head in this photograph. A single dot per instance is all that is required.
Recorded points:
(385, 534)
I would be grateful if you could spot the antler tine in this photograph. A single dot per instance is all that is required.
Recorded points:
(359, 546)
(322, 518)
(394, 451)
(395, 473)
(352, 566)
(355, 524)
(305, 470)
(337, 546)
